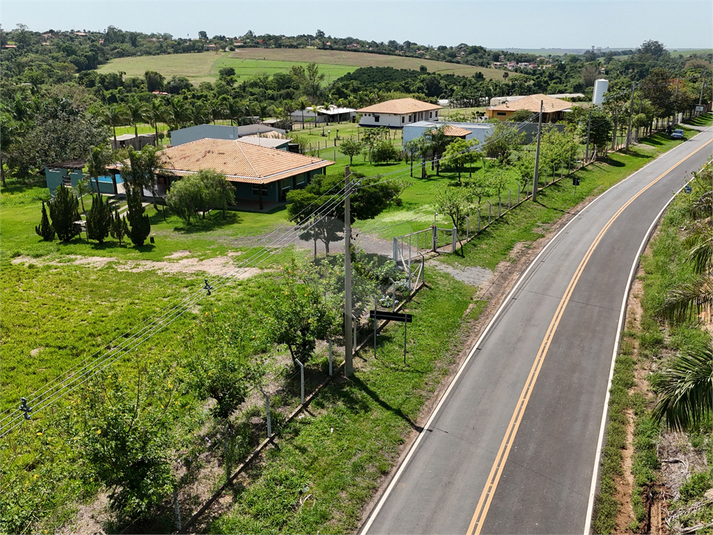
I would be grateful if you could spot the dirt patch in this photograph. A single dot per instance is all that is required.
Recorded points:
(90, 518)
(177, 254)
(475, 276)
(217, 266)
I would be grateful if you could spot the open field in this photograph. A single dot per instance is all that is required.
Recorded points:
(251, 61)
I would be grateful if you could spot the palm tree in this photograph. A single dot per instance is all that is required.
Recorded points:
(302, 106)
(136, 113)
(114, 116)
(156, 113)
(685, 389)
(99, 158)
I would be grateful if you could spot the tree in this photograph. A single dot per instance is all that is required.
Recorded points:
(600, 129)
(224, 366)
(384, 151)
(367, 202)
(460, 153)
(658, 89)
(119, 227)
(155, 114)
(140, 224)
(504, 139)
(99, 220)
(135, 113)
(99, 158)
(313, 82)
(685, 387)
(113, 116)
(64, 212)
(125, 440)
(438, 141)
(81, 189)
(198, 193)
(299, 317)
(154, 81)
(350, 148)
(456, 203)
(45, 229)
(143, 169)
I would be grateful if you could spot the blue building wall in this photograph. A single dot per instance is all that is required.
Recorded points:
(55, 178)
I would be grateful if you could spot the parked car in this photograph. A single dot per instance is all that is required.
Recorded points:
(677, 134)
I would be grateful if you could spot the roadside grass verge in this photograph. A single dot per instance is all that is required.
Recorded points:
(656, 345)
(705, 119)
(334, 457)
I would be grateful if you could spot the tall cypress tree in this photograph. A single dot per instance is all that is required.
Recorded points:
(99, 219)
(64, 211)
(119, 227)
(140, 224)
(45, 229)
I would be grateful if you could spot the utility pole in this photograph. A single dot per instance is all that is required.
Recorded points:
(537, 155)
(631, 111)
(589, 126)
(348, 365)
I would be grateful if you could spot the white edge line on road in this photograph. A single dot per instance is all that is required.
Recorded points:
(622, 314)
(505, 302)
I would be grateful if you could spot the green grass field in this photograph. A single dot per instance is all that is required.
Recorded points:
(248, 62)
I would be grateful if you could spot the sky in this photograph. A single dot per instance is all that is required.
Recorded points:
(530, 24)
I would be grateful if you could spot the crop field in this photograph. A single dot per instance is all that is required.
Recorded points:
(204, 67)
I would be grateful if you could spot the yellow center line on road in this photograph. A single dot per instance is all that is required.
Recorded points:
(486, 497)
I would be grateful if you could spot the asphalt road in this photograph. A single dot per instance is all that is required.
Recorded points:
(513, 444)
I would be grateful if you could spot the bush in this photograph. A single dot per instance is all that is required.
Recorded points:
(119, 227)
(696, 486)
(384, 151)
(45, 228)
(140, 224)
(99, 220)
(64, 211)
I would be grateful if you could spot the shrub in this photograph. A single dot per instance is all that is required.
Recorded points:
(140, 224)
(99, 220)
(45, 228)
(64, 211)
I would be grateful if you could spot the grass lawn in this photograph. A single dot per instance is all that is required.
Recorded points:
(204, 66)
(705, 119)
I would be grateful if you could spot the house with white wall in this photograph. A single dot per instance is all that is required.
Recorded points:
(398, 113)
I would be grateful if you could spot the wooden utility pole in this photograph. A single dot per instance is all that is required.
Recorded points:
(348, 365)
(537, 155)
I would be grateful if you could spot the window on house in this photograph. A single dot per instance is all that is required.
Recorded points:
(403, 119)
(409, 118)
(502, 113)
(256, 190)
(430, 114)
(376, 118)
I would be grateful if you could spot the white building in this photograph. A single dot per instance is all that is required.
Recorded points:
(398, 113)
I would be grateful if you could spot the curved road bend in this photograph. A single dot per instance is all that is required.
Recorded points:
(512, 445)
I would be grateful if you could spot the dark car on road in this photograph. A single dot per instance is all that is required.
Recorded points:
(677, 134)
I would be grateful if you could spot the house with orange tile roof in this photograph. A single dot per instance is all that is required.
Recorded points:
(397, 113)
(258, 173)
(553, 108)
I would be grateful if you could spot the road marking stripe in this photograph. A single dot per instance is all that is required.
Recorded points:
(486, 497)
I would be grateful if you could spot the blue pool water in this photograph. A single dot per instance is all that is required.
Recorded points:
(108, 179)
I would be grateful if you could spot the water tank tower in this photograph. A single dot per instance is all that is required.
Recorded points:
(600, 87)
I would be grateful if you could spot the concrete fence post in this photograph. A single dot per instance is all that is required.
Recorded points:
(396, 250)
(435, 238)
(454, 238)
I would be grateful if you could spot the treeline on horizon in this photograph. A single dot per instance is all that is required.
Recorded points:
(53, 100)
